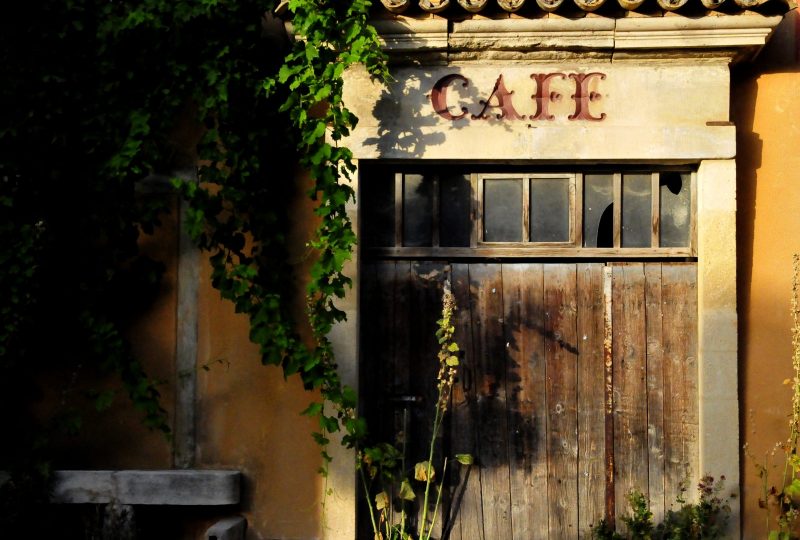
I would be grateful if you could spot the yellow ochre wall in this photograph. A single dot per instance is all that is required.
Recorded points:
(248, 415)
(766, 110)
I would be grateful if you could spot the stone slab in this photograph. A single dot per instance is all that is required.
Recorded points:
(153, 487)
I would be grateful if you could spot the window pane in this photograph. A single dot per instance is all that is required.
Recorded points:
(377, 201)
(502, 210)
(549, 210)
(676, 204)
(417, 210)
(636, 201)
(454, 210)
(598, 210)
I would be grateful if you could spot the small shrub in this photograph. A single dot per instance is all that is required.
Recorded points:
(704, 520)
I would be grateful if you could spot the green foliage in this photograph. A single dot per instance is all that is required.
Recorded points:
(705, 519)
(106, 94)
(383, 470)
(79, 131)
(640, 522)
(239, 210)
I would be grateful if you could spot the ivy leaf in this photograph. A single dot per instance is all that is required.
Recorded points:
(104, 400)
(465, 459)
(312, 410)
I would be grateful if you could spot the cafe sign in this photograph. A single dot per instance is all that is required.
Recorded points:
(543, 98)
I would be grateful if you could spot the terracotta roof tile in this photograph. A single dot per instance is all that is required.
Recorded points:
(530, 8)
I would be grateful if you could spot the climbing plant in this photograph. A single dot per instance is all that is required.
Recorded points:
(101, 99)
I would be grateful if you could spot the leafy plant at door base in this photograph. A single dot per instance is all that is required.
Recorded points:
(382, 468)
(702, 520)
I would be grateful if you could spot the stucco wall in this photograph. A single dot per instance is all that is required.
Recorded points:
(766, 109)
(248, 415)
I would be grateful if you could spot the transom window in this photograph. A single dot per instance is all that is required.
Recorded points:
(449, 211)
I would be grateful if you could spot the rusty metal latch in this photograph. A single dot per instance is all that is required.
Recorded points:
(406, 398)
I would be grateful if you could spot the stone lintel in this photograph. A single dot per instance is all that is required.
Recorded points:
(153, 487)
(613, 143)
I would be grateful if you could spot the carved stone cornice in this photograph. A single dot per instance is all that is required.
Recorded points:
(671, 36)
(475, 6)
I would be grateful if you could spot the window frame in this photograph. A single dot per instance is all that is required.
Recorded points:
(573, 248)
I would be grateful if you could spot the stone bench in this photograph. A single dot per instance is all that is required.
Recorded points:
(124, 489)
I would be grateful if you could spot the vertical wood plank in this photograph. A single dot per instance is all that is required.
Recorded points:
(381, 369)
(492, 456)
(394, 288)
(525, 387)
(380, 364)
(608, 380)
(367, 396)
(465, 511)
(630, 391)
(679, 304)
(401, 336)
(617, 209)
(591, 397)
(655, 389)
(561, 371)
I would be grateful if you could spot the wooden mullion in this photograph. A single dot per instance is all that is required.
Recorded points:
(435, 212)
(655, 211)
(479, 210)
(693, 214)
(474, 210)
(526, 208)
(617, 184)
(398, 209)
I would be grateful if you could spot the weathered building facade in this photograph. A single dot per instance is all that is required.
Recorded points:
(609, 187)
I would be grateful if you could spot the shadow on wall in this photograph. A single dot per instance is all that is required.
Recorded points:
(407, 122)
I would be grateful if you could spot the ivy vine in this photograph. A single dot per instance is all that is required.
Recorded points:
(100, 95)
(332, 37)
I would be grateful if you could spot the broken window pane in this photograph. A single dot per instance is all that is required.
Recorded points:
(502, 210)
(417, 210)
(454, 210)
(675, 192)
(549, 210)
(598, 210)
(636, 205)
(377, 201)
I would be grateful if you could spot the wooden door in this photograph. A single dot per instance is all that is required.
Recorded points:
(578, 384)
